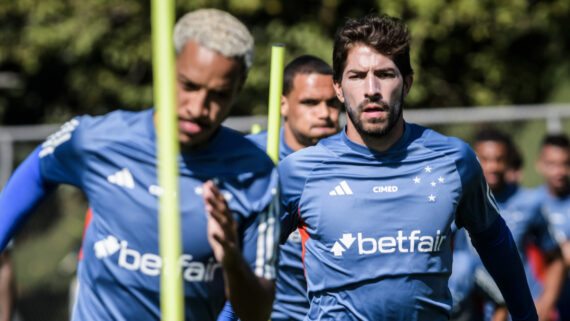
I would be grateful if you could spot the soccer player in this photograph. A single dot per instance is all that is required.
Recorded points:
(310, 109)
(227, 190)
(554, 165)
(520, 208)
(375, 202)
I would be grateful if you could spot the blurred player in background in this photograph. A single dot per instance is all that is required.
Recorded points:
(554, 165)
(310, 109)
(521, 210)
(375, 203)
(229, 247)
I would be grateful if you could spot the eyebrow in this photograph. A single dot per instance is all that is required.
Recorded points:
(376, 70)
(224, 87)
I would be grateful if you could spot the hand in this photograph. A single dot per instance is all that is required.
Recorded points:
(222, 228)
(544, 311)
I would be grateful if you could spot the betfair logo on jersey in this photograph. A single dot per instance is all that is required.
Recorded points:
(414, 242)
(150, 264)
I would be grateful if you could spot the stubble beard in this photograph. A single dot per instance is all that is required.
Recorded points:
(394, 113)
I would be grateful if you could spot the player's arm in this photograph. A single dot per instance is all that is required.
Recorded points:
(25, 190)
(554, 279)
(500, 256)
(479, 214)
(250, 295)
(6, 287)
(555, 272)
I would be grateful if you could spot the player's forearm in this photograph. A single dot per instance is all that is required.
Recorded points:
(499, 254)
(6, 288)
(250, 296)
(23, 192)
(554, 279)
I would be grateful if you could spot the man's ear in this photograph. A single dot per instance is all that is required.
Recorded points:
(284, 106)
(408, 84)
(338, 91)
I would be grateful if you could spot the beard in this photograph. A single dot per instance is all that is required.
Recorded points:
(394, 113)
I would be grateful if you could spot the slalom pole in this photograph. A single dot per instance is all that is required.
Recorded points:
(162, 18)
(275, 91)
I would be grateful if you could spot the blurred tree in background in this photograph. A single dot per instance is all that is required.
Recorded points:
(91, 56)
(61, 58)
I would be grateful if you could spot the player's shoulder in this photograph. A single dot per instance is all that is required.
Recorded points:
(300, 165)
(530, 198)
(436, 141)
(116, 124)
(245, 153)
(313, 155)
(260, 139)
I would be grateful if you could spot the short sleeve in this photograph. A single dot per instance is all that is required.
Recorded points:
(62, 156)
(292, 178)
(477, 208)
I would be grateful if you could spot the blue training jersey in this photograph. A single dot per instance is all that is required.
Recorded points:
(291, 302)
(556, 210)
(521, 210)
(112, 158)
(376, 225)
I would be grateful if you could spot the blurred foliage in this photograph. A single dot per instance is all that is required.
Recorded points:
(93, 56)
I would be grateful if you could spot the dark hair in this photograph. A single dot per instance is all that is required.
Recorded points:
(388, 35)
(491, 134)
(558, 140)
(305, 64)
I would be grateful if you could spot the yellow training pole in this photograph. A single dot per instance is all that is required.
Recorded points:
(171, 301)
(275, 91)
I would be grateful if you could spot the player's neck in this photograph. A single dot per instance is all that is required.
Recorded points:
(559, 192)
(380, 144)
(291, 140)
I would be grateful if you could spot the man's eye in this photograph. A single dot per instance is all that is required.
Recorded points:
(222, 94)
(190, 86)
(310, 102)
(386, 75)
(356, 76)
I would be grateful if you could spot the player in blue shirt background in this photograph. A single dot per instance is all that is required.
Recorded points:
(310, 110)
(521, 210)
(230, 228)
(375, 203)
(554, 165)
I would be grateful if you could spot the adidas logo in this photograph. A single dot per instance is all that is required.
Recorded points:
(122, 178)
(341, 189)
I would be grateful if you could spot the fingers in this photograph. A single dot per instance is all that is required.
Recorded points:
(217, 206)
(213, 199)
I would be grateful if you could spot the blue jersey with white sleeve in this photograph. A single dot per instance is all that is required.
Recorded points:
(291, 302)
(112, 158)
(521, 210)
(376, 225)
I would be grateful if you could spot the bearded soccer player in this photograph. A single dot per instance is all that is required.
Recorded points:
(554, 165)
(228, 229)
(375, 203)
